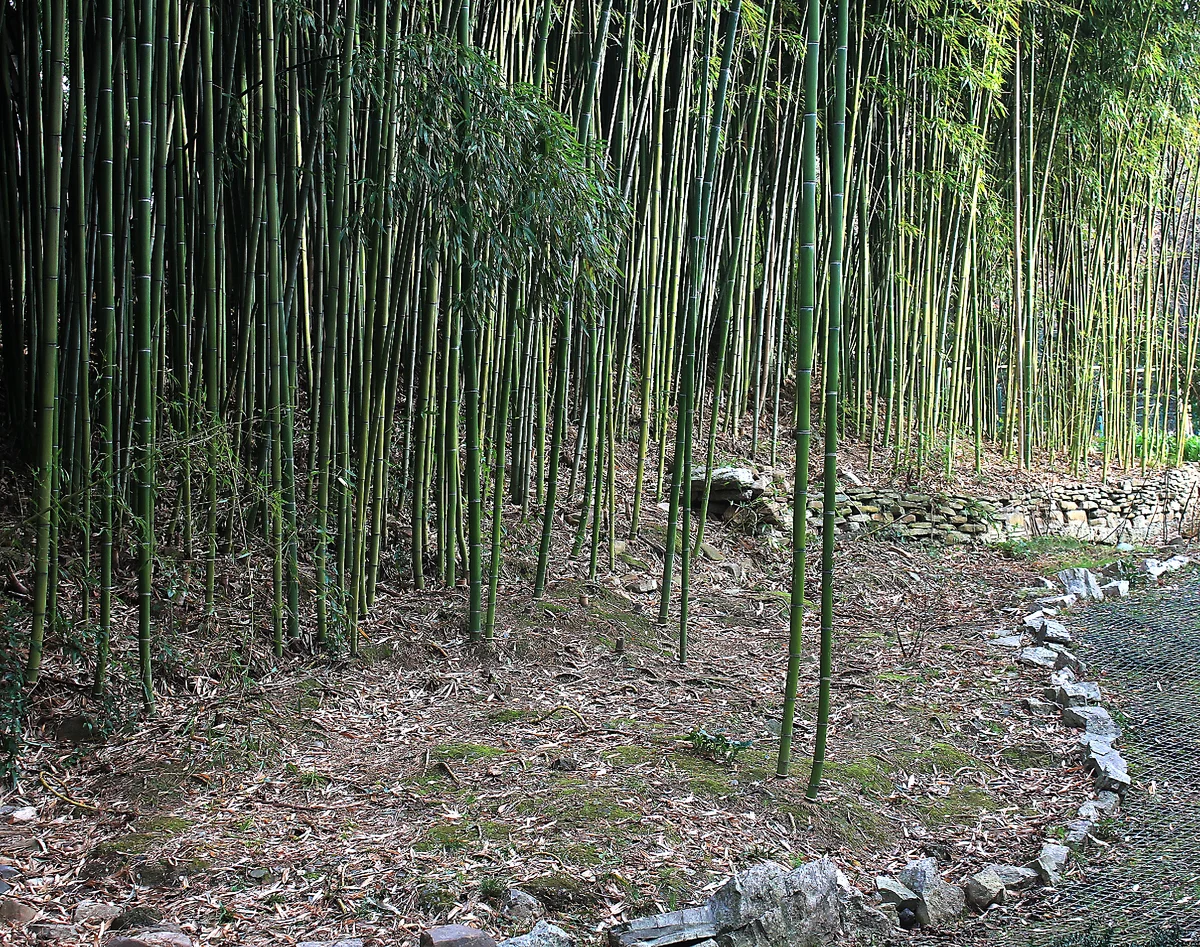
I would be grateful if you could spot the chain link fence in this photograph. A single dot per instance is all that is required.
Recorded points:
(1140, 881)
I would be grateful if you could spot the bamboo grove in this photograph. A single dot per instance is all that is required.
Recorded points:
(355, 285)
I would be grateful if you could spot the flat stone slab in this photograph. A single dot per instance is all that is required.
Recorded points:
(1037, 658)
(456, 935)
(676, 927)
(1093, 720)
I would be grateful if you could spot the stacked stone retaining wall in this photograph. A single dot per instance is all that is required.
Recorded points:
(1150, 510)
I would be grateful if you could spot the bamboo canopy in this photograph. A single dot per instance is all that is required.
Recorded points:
(344, 285)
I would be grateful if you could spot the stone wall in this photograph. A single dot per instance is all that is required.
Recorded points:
(1154, 509)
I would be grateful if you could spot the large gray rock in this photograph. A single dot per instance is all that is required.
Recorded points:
(16, 913)
(1061, 602)
(730, 485)
(456, 935)
(544, 934)
(1074, 695)
(1090, 743)
(677, 927)
(985, 888)
(1052, 632)
(919, 875)
(941, 904)
(1117, 588)
(747, 895)
(1094, 720)
(522, 907)
(895, 893)
(819, 906)
(1050, 862)
(1037, 657)
(1081, 583)
(1015, 877)
(1077, 835)
(1112, 774)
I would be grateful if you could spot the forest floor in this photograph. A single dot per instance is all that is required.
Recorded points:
(311, 798)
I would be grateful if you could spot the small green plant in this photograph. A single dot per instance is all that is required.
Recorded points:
(717, 746)
(492, 889)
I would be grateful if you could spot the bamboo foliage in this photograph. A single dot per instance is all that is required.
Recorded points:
(352, 291)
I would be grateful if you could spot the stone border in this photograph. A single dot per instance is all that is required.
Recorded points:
(918, 894)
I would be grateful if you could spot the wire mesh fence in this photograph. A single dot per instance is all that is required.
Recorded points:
(1141, 879)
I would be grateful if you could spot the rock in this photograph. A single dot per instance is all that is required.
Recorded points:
(86, 911)
(711, 552)
(1007, 641)
(55, 931)
(23, 815)
(907, 919)
(9, 872)
(985, 888)
(735, 569)
(1118, 588)
(643, 584)
(522, 907)
(814, 905)
(16, 913)
(1063, 676)
(455, 935)
(730, 486)
(1153, 568)
(1074, 695)
(895, 893)
(1176, 562)
(1038, 708)
(164, 939)
(1052, 632)
(1062, 602)
(543, 934)
(1077, 834)
(919, 875)
(941, 903)
(1095, 720)
(5, 887)
(1104, 806)
(747, 895)
(1037, 657)
(1067, 659)
(1090, 743)
(1050, 862)
(1015, 877)
(1112, 774)
(1081, 583)
(676, 927)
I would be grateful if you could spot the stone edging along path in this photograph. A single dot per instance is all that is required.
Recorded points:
(921, 897)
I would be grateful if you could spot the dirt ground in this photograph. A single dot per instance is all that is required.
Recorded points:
(311, 798)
